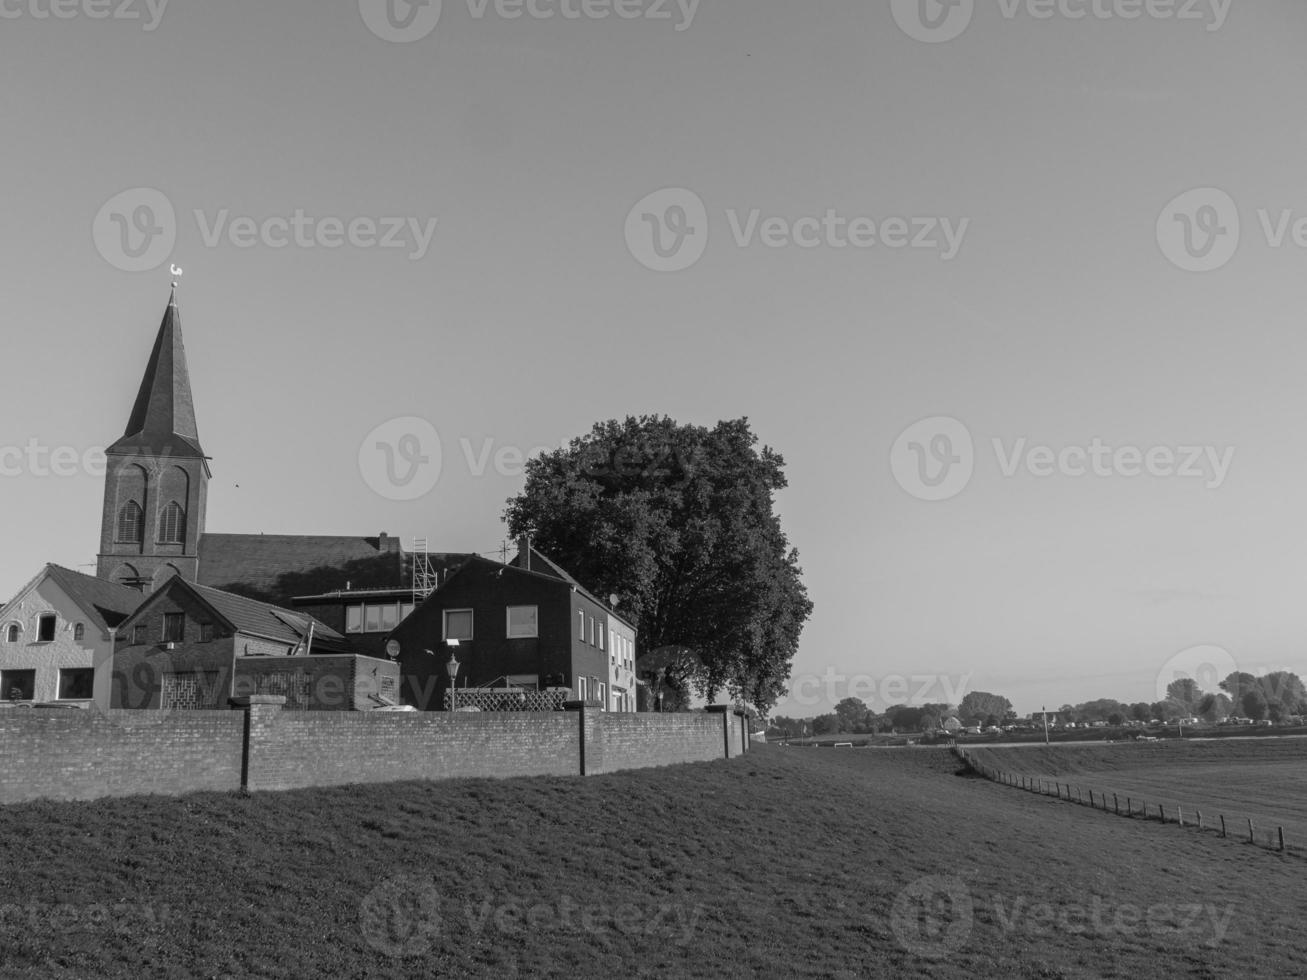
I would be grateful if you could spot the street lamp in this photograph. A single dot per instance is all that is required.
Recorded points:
(451, 669)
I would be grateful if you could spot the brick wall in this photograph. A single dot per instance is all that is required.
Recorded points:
(84, 755)
(634, 741)
(89, 754)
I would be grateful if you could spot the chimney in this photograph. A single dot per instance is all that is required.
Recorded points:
(524, 552)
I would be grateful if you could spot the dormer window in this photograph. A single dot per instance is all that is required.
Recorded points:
(172, 524)
(131, 523)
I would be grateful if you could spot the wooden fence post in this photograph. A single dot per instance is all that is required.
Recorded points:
(1223, 834)
(1200, 819)
(1179, 815)
(1251, 839)
(1282, 838)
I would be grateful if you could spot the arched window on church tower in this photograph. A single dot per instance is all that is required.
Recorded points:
(131, 523)
(172, 524)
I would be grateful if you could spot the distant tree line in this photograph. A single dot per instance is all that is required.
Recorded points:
(1278, 697)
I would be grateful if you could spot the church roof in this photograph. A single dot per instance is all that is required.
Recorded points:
(163, 418)
(279, 567)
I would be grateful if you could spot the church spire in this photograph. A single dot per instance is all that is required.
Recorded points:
(163, 417)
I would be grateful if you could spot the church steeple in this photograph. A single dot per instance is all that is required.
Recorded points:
(156, 485)
(163, 418)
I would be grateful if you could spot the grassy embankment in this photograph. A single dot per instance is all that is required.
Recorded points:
(787, 863)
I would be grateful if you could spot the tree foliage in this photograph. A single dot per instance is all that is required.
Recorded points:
(678, 521)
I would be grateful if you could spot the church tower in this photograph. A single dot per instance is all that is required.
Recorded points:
(157, 476)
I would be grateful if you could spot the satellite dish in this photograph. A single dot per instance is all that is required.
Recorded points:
(614, 599)
(392, 648)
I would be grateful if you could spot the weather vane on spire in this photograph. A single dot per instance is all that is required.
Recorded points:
(177, 273)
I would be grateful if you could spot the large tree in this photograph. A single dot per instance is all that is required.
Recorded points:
(678, 521)
(977, 707)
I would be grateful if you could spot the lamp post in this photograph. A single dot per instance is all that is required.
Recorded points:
(451, 669)
(1045, 725)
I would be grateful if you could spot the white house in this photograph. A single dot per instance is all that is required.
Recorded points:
(55, 637)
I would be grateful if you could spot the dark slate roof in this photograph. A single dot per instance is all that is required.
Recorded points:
(163, 418)
(262, 619)
(278, 567)
(106, 603)
(533, 561)
(443, 564)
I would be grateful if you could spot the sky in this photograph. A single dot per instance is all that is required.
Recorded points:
(1015, 288)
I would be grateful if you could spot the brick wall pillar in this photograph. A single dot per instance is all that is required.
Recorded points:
(591, 744)
(261, 712)
(728, 717)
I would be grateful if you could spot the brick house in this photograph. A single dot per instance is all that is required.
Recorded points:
(189, 646)
(56, 637)
(527, 625)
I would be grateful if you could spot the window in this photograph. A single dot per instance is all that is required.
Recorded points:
(592, 631)
(46, 626)
(375, 617)
(601, 636)
(131, 523)
(581, 618)
(523, 621)
(602, 697)
(79, 632)
(76, 684)
(138, 635)
(172, 524)
(581, 688)
(12, 633)
(458, 624)
(206, 632)
(405, 610)
(174, 627)
(18, 685)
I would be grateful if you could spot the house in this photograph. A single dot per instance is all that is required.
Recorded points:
(188, 646)
(153, 522)
(518, 627)
(56, 635)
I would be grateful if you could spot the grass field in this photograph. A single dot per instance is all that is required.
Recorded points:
(786, 863)
(1259, 779)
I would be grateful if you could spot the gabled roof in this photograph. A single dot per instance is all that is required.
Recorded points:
(264, 619)
(253, 617)
(278, 567)
(106, 604)
(528, 559)
(163, 418)
(542, 568)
